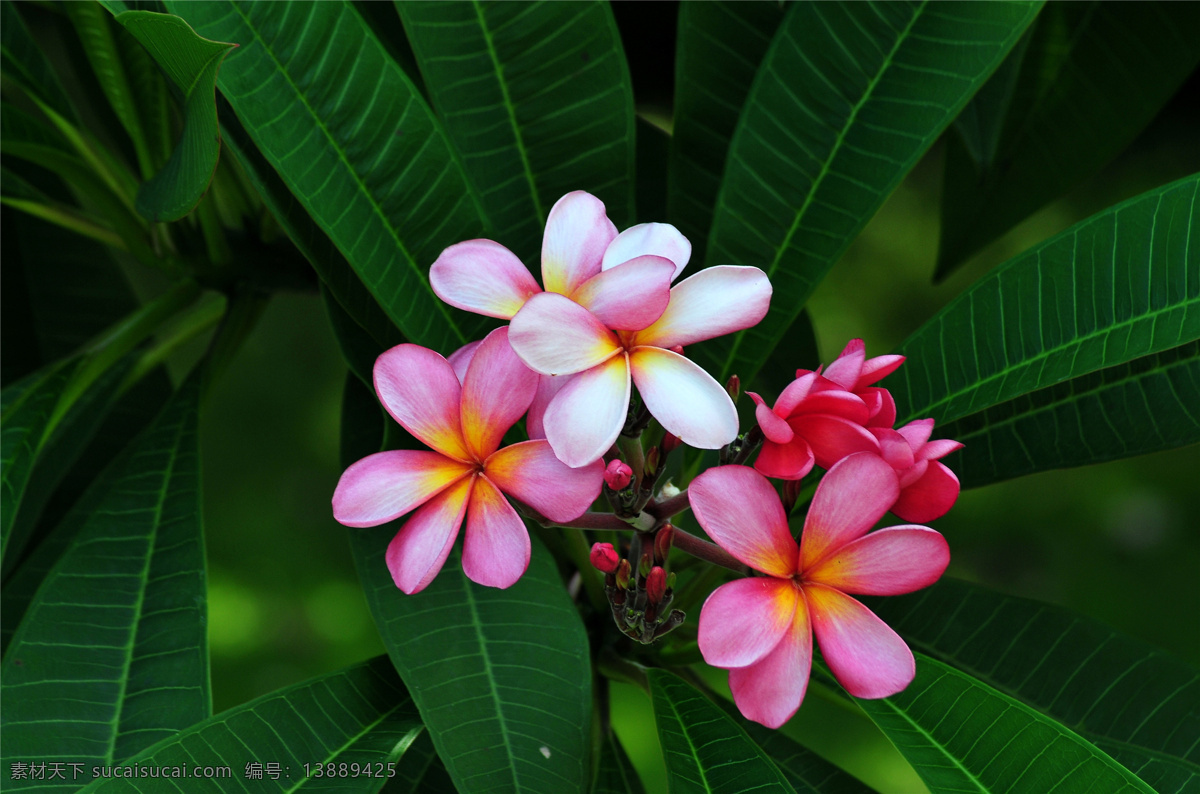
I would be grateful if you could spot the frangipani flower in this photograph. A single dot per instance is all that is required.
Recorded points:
(465, 475)
(761, 628)
(813, 421)
(927, 487)
(855, 373)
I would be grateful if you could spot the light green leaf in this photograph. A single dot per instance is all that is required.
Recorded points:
(26, 408)
(962, 735)
(360, 717)
(847, 99)
(1118, 286)
(111, 656)
(192, 63)
(1136, 703)
(1145, 405)
(705, 750)
(537, 99)
(615, 773)
(502, 677)
(1093, 76)
(354, 142)
(719, 48)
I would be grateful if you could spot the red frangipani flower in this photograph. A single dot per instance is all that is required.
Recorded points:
(855, 373)
(761, 628)
(927, 487)
(465, 476)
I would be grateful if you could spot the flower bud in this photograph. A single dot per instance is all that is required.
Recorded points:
(651, 464)
(669, 443)
(604, 557)
(618, 475)
(662, 543)
(656, 585)
(645, 564)
(677, 349)
(791, 492)
(624, 571)
(733, 387)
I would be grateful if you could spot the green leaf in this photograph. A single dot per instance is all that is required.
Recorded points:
(1146, 405)
(1093, 76)
(1110, 289)
(26, 408)
(962, 735)
(1136, 703)
(192, 63)
(847, 99)
(719, 48)
(705, 750)
(354, 142)
(502, 677)
(340, 280)
(111, 656)
(22, 60)
(420, 771)
(538, 100)
(615, 773)
(361, 717)
(91, 23)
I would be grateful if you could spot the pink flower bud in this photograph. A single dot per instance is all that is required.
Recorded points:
(733, 387)
(618, 475)
(669, 444)
(604, 557)
(662, 543)
(624, 572)
(651, 464)
(656, 585)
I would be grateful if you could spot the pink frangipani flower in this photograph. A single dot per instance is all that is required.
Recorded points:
(927, 487)
(465, 475)
(761, 628)
(855, 373)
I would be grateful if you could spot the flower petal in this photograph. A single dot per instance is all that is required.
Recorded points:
(770, 691)
(713, 302)
(684, 398)
(867, 658)
(548, 387)
(584, 419)
(484, 277)
(741, 512)
(577, 234)
(461, 359)
(917, 432)
(659, 239)
(846, 368)
(891, 561)
(795, 393)
(834, 402)
(629, 297)
(878, 368)
(497, 390)
(530, 472)
(894, 448)
(929, 497)
(939, 448)
(853, 495)
(421, 546)
(554, 335)
(833, 438)
(421, 392)
(785, 461)
(774, 427)
(743, 621)
(384, 486)
(496, 545)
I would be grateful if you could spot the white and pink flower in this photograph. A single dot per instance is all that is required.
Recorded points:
(465, 475)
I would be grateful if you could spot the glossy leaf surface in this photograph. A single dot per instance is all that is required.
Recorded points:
(846, 100)
(361, 717)
(537, 98)
(502, 677)
(704, 749)
(1115, 287)
(355, 143)
(1146, 405)
(1093, 75)
(192, 63)
(112, 654)
(1136, 703)
(962, 735)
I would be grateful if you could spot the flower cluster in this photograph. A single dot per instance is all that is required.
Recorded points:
(609, 319)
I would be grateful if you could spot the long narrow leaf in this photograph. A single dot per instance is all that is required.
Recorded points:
(537, 98)
(357, 146)
(1146, 405)
(848, 98)
(1120, 285)
(704, 749)
(111, 656)
(1136, 703)
(22, 60)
